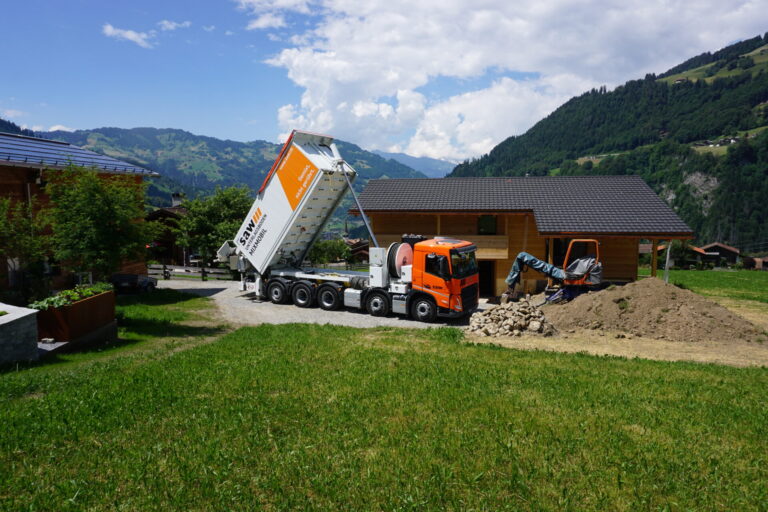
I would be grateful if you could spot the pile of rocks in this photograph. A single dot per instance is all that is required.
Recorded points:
(511, 319)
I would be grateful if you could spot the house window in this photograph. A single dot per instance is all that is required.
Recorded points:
(486, 225)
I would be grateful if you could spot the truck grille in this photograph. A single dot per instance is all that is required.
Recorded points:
(469, 297)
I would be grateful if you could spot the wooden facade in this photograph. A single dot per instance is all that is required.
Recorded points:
(27, 184)
(513, 233)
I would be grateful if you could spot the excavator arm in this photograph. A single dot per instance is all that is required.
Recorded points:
(535, 263)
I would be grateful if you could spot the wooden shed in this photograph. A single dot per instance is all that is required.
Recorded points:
(539, 215)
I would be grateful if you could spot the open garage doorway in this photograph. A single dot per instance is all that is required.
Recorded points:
(487, 275)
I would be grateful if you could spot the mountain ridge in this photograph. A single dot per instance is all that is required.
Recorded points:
(432, 167)
(697, 134)
(199, 163)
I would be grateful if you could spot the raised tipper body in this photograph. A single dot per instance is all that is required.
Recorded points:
(420, 277)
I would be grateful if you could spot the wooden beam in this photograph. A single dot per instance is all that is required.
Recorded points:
(525, 234)
(438, 225)
(550, 257)
(654, 257)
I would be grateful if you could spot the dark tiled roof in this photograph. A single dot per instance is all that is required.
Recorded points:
(20, 151)
(560, 204)
(723, 246)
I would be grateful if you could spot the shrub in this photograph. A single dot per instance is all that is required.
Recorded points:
(67, 297)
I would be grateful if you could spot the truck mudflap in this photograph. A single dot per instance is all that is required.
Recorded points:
(450, 313)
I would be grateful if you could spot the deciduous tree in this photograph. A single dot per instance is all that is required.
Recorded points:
(97, 220)
(212, 220)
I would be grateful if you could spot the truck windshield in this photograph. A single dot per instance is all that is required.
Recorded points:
(463, 262)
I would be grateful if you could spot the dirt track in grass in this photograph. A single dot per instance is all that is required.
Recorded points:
(607, 344)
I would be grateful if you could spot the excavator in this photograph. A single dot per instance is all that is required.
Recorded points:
(576, 276)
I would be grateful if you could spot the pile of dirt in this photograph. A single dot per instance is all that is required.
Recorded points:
(510, 319)
(654, 309)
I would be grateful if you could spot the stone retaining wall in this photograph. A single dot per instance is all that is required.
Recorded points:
(18, 334)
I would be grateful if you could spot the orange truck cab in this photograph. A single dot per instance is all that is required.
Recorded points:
(444, 272)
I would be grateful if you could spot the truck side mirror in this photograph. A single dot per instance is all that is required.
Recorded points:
(442, 263)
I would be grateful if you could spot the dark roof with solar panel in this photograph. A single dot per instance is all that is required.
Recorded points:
(21, 151)
(560, 204)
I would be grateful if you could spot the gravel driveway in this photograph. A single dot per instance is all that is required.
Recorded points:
(237, 307)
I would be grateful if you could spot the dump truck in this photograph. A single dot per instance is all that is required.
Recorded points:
(418, 277)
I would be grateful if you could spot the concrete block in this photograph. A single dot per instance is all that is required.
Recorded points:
(18, 334)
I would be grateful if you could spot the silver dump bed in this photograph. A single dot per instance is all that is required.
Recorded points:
(301, 191)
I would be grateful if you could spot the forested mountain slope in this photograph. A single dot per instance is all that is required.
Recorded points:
(637, 113)
(669, 130)
(722, 198)
(11, 127)
(196, 164)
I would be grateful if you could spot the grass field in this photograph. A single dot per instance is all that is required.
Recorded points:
(736, 284)
(760, 57)
(322, 417)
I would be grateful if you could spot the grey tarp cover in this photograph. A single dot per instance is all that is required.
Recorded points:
(582, 266)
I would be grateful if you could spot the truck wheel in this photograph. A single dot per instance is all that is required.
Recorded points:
(302, 295)
(328, 298)
(424, 310)
(276, 292)
(377, 304)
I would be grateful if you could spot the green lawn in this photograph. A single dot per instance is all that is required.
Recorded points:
(322, 417)
(736, 284)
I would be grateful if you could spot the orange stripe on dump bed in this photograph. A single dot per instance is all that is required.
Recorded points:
(277, 161)
(295, 173)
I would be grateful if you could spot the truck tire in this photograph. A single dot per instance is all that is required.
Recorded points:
(377, 304)
(329, 298)
(424, 309)
(276, 292)
(302, 296)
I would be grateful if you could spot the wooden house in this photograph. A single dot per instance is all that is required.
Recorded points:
(25, 164)
(718, 252)
(539, 215)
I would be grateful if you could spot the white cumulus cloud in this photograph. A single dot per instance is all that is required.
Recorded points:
(472, 123)
(11, 113)
(266, 20)
(142, 39)
(452, 78)
(258, 6)
(209, 28)
(60, 128)
(166, 25)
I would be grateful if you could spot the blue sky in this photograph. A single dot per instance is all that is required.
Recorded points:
(441, 78)
(67, 72)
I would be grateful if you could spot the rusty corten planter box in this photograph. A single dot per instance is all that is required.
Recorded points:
(77, 320)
